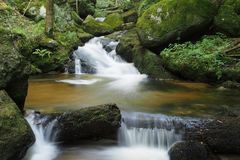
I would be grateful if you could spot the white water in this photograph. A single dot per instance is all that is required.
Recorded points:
(44, 147)
(77, 66)
(107, 64)
(135, 142)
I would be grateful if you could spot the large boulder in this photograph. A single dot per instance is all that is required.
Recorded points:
(205, 60)
(88, 123)
(115, 20)
(14, 69)
(96, 28)
(146, 61)
(228, 18)
(16, 135)
(220, 135)
(188, 151)
(170, 21)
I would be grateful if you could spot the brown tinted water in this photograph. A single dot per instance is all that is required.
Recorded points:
(170, 97)
(167, 97)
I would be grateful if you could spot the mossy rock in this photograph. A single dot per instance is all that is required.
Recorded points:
(130, 16)
(34, 10)
(85, 7)
(203, 61)
(96, 28)
(145, 4)
(228, 18)
(14, 68)
(147, 62)
(16, 135)
(169, 21)
(115, 20)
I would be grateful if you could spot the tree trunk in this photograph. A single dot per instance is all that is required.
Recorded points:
(49, 21)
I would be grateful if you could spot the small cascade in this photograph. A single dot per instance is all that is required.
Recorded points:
(155, 131)
(78, 66)
(44, 146)
(100, 55)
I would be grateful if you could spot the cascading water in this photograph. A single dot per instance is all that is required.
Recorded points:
(100, 55)
(147, 140)
(77, 66)
(44, 147)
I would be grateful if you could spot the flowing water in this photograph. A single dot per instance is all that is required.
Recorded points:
(144, 133)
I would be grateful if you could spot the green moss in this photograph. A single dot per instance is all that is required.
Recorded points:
(145, 4)
(96, 28)
(147, 62)
(228, 18)
(115, 20)
(202, 61)
(168, 21)
(13, 130)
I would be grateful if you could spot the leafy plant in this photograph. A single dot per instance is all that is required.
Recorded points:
(42, 53)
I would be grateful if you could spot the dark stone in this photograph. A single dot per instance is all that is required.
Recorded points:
(188, 151)
(221, 135)
(14, 69)
(89, 123)
(16, 135)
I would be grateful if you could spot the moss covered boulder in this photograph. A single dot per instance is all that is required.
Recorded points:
(146, 61)
(228, 18)
(169, 21)
(115, 20)
(88, 123)
(83, 7)
(95, 27)
(206, 60)
(16, 135)
(14, 69)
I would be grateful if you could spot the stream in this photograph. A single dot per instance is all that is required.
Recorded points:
(109, 79)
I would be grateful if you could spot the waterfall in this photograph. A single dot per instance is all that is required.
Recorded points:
(77, 66)
(44, 147)
(100, 54)
(152, 131)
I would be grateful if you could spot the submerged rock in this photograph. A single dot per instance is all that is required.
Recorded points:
(170, 21)
(188, 151)
(16, 135)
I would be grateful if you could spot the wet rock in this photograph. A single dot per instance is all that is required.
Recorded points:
(231, 85)
(146, 61)
(89, 123)
(170, 21)
(220, 135)
(16, 135)
(188, 151)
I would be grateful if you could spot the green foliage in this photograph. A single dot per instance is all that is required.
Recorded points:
(42, 53)
(200, 61)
